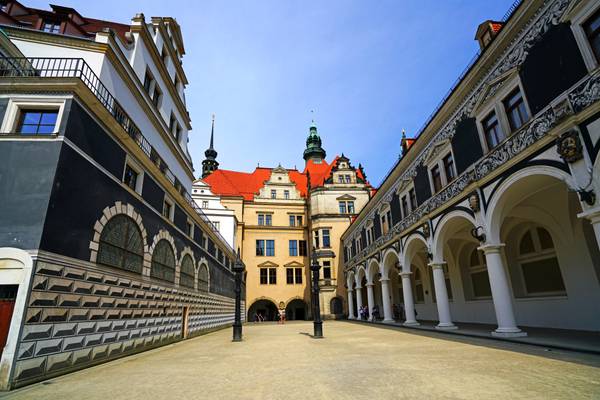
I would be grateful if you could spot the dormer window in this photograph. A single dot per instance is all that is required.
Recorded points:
(340, 179)
(347, 178)
(273, 194)
(51, 27)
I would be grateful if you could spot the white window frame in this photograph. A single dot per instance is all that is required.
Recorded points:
(369, 234)
(439, 161)
(139, 184)
(496, 104)
(169, 200)
(192, 227)
(17, 104)
(577, 22)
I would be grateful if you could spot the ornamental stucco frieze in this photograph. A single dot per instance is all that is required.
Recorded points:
(514, 55)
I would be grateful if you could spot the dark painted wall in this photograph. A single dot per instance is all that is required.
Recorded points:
(466, 145)
(421, 181)
(552, 66)
(376, 226)
(395, 208)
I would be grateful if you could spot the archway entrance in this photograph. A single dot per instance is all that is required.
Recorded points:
(336, 306)
(296, 310)
(265, 308)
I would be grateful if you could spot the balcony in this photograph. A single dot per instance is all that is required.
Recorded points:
(44, 67)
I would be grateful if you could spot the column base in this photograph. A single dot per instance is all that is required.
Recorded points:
(351, 317)
(411, 323)
(388, 321)
(445, 326)
(508, 333)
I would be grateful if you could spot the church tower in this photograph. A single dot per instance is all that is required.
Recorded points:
(210, 163)
(313, 150)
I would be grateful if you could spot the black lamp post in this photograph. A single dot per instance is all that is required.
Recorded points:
(238, 268)
(318, 324)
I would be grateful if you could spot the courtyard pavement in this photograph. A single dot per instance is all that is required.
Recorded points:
(354, 361)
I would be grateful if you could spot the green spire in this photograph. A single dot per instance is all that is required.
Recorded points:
(313, 149)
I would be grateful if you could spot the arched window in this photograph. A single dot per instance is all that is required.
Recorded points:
(121, 244)
(419, 294)
(479, 275)
(163, 261)
(539, 265)
(203, 278)
(187, 275)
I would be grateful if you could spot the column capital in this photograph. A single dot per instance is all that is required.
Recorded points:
(384, 279)
(350, 290)
(405, 273)
(370, 284)
(491, 248)
(593, 215)
(358, 287)
(437, 265)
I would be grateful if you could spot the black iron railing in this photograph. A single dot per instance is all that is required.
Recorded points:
(46, 67)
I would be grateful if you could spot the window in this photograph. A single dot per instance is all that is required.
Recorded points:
(187, 274)
(203, 241)
(302, 247)
(286, 194)
(270, 251)
(347, 178)
(293, 247)
(130, 177)
(479, 276)
(164, 55)
(448, 161)
(156, 96)
(292, 220)
(260, 247)
(346, 207)
(268, 276)
(592, 31)
(316, 238)
(273, 194)
(404, 207)
(492, 131)
(386, 221)
(340, 178)
(412, 195)
(326, 239)
(37, 122)
(216, 225)
(358, 245)
(51, 27)
(167, 209)
(121, 244)
(514, 105)
(539, 265)
(220, 257)
(148, 82)
(204, 203)
(174, 127)
(163, 261)
(419, 293)
(265, 219)
(298, 275)
(326, 269)
(369, 235)
(264, 276)
(203, 278)
(436, 178)
(190, 228)
(289, 276)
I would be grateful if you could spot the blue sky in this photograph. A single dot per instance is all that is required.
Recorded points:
(368, 69)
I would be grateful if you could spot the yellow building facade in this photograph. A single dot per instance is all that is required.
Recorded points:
(282, 215)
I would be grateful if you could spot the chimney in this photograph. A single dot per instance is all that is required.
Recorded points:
(487, 31)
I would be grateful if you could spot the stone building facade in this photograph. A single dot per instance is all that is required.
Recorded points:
(103, 252)
(281, 215)
(493, 215)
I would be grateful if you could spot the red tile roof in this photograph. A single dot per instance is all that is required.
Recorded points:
(247, 184)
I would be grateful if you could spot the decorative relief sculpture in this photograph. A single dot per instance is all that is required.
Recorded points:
(568, 146)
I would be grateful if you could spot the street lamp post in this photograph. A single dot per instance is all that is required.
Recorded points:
(318, 324)
(238, 269)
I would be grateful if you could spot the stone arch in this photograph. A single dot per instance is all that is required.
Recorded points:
(412, 244)
(350, 280)
(503, 196)
(163, 234)
(187, 251)
(107, 214)
(202, 264)
(387, 261)
(444, 226)
(261, 305)
(361, 273)
(296, 308)
(372, 270)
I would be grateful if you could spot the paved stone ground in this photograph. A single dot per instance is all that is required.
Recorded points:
(354, 361)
